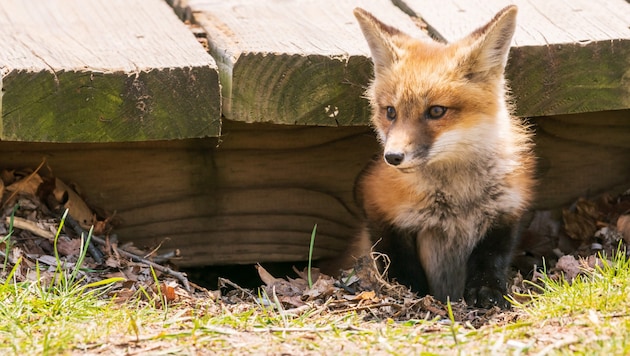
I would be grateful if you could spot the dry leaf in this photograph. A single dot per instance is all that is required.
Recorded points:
(168, 292)
(299, 283)
(294, 300)
(69, 247)
(304, 273)
(366, 295)
(569, 266)
(7, 177)
(623, 226)
(52, 261)
(324, 286)
(124, 295)
(27, 185)
(116, 274)
(78, 209)
(265, 276)
(112, 262)
(581, 223)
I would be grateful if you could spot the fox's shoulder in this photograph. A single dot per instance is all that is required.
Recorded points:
(385, 194)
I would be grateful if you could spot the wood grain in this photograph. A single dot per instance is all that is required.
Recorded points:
(255, 195)
(102, 71)
(293, 62)
(582, 155)
(567, 56)
(254, 198)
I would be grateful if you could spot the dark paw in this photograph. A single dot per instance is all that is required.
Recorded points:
(486, 297)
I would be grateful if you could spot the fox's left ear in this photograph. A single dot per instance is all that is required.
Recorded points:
(488, 46)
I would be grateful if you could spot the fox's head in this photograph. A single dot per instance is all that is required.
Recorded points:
(434, 102)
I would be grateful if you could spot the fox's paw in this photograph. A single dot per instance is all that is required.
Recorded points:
(486, 297)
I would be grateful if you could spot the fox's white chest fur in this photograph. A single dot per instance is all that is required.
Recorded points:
(461, 202)
(456, 168)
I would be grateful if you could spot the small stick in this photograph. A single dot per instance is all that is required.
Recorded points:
(166, 256)
(96, 254)
(224, 281)
(135, 258)
(23, 224)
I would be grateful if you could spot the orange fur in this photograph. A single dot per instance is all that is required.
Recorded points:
(456, 165)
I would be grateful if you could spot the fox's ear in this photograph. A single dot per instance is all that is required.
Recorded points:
(379, 37)
(489, 45)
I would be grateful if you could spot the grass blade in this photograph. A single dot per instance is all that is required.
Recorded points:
(310, 256)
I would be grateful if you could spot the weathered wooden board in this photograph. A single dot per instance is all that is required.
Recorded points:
(253, 198)
(103, 70)
(568, 56)
(293, 62)
(582, 155)
(256, 197)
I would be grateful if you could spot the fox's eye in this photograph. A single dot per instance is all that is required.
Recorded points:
(391, 113)
(435, 112)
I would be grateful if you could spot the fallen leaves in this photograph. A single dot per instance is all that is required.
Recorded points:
(360, 289)
(587, 233)
(32, 202)
(36, 248)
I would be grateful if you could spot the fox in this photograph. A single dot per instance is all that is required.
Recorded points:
(445, 197)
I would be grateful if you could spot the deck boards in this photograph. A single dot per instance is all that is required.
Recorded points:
(301, 62)
(567, 56)
(103, 71)
(115, 71)
(135, 101)
(292, 62)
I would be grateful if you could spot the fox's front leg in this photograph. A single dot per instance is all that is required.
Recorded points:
(444, 262)
(400, 247)
(486, 283)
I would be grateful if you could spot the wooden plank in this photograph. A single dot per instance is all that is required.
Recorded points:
(568, 56)
(256, 197)
(244, 201)
(293, 62)
(103, 71)
(582, 155)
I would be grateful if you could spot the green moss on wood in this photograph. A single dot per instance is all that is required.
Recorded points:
(82, 106)
(295, 89)
(563, 79)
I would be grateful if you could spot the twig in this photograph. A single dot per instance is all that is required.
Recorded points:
(224, 281)
(96, 254)
(557, 345)
(275, 329)
(364, 307)
(135, 258)
(23, 224)
(166, 256)
(311, 329)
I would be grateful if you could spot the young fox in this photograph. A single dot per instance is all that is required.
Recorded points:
(456, 175)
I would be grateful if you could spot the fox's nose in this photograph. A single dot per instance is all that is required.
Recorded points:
(394, 158)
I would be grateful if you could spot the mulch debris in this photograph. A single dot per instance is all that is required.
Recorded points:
(570, 243)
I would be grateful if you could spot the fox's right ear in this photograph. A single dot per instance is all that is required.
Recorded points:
(379, 37)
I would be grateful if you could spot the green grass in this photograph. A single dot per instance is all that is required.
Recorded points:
(591, 316)
(68, 316)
